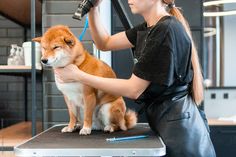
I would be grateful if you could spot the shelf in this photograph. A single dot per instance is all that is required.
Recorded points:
(216, 122)
(17, 69)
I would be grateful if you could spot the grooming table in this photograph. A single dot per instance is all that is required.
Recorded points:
(54, 143)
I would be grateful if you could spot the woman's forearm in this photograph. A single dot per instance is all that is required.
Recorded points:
(131, 88)
(120, 87)
(97, 30)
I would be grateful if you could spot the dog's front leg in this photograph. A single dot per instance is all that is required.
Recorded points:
(72, 123)
(89, 106)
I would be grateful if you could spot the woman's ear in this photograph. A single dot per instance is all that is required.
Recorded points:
(38, 39)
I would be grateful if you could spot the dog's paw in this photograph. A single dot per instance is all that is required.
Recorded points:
(108, 128)
(68, 129)
(85, 131)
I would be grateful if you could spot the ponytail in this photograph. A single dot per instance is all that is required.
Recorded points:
(197, 84)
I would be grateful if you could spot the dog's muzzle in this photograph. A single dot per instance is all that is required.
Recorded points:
(44, 61)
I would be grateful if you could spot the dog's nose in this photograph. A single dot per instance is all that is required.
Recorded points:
(44, 61)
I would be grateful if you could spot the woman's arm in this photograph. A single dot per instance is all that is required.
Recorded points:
(131, 88)
(101, 38)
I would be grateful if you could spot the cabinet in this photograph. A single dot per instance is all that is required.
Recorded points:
(223, 135)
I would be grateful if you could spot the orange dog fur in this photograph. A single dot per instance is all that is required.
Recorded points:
(91, 108)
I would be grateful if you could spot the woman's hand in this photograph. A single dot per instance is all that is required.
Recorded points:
(70, 73)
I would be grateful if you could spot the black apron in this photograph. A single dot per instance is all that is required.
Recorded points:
(174, 116)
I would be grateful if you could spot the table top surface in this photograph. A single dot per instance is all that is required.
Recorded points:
(54, 143)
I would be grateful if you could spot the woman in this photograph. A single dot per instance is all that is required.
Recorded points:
(167, 78)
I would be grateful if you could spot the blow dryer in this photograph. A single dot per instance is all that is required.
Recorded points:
(83, 8)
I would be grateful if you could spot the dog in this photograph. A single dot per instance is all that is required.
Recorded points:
(89, 108)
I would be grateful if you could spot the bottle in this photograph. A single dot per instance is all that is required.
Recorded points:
(20, 55)
(10, 60)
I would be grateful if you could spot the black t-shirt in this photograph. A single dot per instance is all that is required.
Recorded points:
(163, 52)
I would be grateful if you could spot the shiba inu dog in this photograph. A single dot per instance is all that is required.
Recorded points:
(89, 108)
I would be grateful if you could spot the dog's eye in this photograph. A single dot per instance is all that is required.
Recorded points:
(56, 47)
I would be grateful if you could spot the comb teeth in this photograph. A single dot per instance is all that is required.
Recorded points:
(77, 15)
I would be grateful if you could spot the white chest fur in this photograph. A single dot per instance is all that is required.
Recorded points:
(73, 91)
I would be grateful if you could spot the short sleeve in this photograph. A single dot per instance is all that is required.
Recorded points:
(156, 63)
(132, 33)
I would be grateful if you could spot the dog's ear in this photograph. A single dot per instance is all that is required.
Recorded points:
(38, 39)
(69, 41)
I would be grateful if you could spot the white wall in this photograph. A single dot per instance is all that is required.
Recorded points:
(230, 47)
(105, 14)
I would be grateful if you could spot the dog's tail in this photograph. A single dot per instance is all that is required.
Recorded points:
(130, 119)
